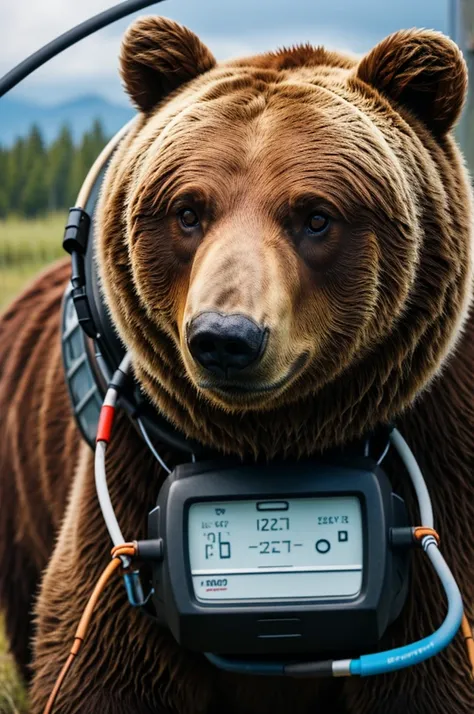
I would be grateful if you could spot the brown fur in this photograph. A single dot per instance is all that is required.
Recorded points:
(367, 325)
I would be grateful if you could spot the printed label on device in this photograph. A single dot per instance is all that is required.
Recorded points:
(276, 549)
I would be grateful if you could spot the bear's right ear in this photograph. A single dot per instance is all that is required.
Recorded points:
(157, 56)
(422, 70)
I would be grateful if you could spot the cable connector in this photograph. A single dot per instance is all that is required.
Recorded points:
(119, 380)
(309, 669)
(107, 412)
(421, 532)
(402, 537)
(409, 537)
(149, 549)
(76, 231)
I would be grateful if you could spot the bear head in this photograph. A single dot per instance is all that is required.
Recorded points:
(285, 239)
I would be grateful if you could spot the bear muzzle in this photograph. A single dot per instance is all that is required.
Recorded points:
(226, 344)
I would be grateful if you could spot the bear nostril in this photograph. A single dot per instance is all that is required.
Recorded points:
(206, 345)
(236, 348)
(223, 344)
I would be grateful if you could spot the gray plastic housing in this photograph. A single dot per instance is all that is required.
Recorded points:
(323, 627)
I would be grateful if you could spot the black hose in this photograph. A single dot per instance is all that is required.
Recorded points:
(69, 38)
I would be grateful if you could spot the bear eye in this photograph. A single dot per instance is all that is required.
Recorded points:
(188, 218)
(317, 224)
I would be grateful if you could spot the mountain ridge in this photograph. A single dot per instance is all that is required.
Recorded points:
(18, 115)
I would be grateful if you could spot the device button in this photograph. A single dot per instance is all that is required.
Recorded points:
(279, 627)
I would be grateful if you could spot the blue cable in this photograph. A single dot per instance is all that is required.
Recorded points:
(381, 662)
(417, 652)
(134, 590)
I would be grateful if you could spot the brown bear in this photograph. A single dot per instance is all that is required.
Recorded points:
(285, 249)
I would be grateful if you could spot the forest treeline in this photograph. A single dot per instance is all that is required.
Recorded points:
(36, 178)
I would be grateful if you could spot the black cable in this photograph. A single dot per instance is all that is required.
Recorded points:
(69, 38)
(310, 669)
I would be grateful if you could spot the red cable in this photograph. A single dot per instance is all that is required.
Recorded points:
(106, 419)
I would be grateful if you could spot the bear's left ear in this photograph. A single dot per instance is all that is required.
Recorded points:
(159, 55)
(421, 70)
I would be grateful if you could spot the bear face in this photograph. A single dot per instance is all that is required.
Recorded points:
(285, 240)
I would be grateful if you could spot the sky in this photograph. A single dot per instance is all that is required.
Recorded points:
(229, 27)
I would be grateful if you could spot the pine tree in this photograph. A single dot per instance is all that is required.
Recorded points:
(3, 182)
(34, 193)
(92, 143)
(35, 179)
(35, 146)
(15, 174)
(98, 138)
(60, 160)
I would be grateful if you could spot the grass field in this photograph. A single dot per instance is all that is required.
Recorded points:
(12, 694)
(25, 248)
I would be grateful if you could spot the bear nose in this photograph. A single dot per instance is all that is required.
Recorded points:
(225, 343)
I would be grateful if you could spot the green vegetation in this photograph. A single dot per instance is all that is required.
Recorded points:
(36, 179)
(37, 186)
(27, 246)
(39, 183)
(12, 694)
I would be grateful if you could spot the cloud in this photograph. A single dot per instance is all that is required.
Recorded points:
(229, 27)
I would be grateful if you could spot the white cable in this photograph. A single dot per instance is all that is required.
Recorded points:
(384, 453)
(104, 496)
(151, 447)
(126, 363)
(424, 501)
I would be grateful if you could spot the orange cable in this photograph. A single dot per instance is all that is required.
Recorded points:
(58, 684)
(127, 549)
(467, 634)
(420, 533)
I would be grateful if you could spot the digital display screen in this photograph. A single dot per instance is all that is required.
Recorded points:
(276, 549)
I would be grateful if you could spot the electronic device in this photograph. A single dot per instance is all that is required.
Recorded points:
(278, 558)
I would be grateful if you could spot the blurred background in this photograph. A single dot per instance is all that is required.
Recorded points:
(55, 123)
